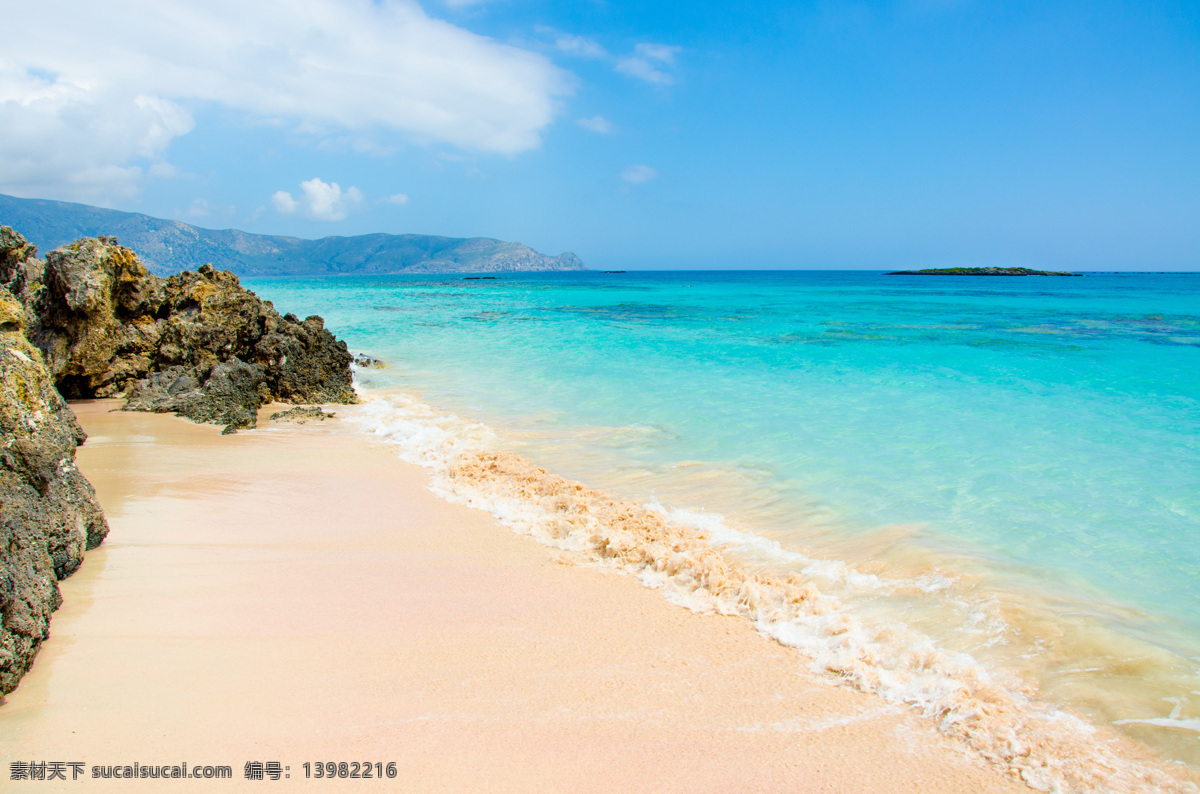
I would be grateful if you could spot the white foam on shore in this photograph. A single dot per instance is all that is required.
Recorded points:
(1173, 720)
(678, 552)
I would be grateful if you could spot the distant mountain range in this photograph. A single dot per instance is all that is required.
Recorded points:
(171, 246)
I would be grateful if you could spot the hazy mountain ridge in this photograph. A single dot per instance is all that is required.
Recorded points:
(167, 246)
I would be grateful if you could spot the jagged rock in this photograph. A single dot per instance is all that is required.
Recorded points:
(14, 250)
(224, 397)
(302, 414)
(164, 392)
(48, 511)
(20, 271)
(108, 327)
(363, 360)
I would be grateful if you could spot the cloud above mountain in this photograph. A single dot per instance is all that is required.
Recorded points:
(319, 200)
(92, 96)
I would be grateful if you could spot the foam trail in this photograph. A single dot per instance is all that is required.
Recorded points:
(1172, 720)
(676, 552)
(755, 547)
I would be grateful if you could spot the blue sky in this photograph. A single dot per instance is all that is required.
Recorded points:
(638, 135)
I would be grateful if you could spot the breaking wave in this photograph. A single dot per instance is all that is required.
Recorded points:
(685, 556)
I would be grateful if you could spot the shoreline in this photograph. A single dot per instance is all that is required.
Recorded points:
(298, 594)
(1049, 745)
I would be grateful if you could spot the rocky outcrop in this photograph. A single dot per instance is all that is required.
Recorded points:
(197, 343)
(230, 395)
(48, 511)
(90, 321)
(363, 361)
(302, 415)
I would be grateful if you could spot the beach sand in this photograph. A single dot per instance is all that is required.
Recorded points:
(296, 594)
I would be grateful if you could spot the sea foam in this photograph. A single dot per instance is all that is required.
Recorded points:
(680, 554)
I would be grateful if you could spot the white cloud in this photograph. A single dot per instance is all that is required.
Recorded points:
(167, 121)
(61, 131)
(664, 53)
(597, 124)
(642, 70)
(579, 46)
(648, 61)
(639, 174)
(92, 94)
(283, 202)
(396, 198)
(164, 170)
(321, 201)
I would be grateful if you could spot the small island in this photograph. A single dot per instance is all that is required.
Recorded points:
(980, 271)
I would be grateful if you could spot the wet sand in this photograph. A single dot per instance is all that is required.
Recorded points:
(296, 594)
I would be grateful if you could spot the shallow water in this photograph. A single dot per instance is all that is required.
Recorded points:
(1006, 465)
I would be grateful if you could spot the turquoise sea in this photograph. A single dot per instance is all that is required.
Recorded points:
(1010, 466)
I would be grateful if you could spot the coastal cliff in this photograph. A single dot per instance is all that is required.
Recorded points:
(90, 321)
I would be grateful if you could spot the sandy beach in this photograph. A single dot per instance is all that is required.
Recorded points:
(296, 594)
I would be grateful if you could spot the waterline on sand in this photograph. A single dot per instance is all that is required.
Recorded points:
(699, 562)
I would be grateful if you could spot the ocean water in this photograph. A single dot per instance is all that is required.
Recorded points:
(1006, 468)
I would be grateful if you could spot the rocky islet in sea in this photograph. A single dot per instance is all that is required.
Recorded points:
(980, 271)
(90, 321)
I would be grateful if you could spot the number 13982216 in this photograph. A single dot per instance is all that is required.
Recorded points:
(350, 769)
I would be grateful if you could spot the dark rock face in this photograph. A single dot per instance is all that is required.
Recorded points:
(48, 511)
(198, 344)
(230, 395)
